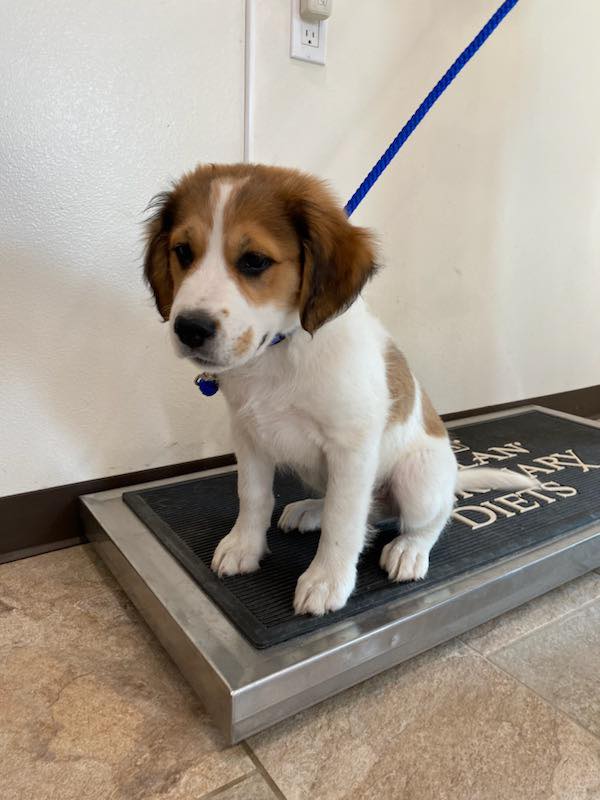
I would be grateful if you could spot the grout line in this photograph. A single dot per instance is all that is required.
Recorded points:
(543, 698)
(230, 785)
(260, 767)
(537, 628)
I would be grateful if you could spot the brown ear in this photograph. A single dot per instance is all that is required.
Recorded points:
(156, 259)
(339, 258)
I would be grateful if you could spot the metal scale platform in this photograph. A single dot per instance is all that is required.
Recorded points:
(237, 641)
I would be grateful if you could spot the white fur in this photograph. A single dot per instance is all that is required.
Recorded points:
(482, 478)
(320, 405)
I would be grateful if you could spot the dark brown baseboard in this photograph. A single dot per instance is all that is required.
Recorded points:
(582, 402)
(48, 519)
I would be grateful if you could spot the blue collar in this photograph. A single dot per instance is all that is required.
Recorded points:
(209, 385)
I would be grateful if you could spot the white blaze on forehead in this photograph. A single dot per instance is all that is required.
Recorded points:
(209, 286)
(213, 268)
(221, 193)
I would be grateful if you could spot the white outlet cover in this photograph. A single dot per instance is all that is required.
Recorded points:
(305, 52)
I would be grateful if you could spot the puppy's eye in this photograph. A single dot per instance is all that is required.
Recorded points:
(184, 255)
(253, 263)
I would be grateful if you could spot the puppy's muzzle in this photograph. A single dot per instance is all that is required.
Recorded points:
(195, 329)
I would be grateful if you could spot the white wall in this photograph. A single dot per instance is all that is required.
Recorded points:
(488, 219)
(103, 102)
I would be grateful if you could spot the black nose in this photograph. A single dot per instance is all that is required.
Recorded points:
(194, 329)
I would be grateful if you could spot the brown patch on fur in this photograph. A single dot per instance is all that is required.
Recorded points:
(321, 261)
(156, 260)
(225, 312)
(339, 261)
(279, 284)
(243, 342)
(195, 233)
(183, 215)
(401, 385)
(431, 420)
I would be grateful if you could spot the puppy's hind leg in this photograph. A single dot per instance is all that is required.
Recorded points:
(303, 515)
(423, 484)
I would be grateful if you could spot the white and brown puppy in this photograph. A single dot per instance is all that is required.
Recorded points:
(239, 254)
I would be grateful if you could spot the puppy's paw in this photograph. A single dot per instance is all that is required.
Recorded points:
(405, 558)
(304, 515)
(320, 590)
(236, 554)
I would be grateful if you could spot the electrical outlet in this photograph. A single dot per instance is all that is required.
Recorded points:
(310, 33)
(307, 39)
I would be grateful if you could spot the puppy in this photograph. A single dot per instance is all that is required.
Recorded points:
(259, 272)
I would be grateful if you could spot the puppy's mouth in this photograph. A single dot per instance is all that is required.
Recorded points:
(207, 363)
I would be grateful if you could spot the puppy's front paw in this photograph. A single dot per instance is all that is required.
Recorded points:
(236, 554)
(405, 558)
(320, 590)
(304, 515)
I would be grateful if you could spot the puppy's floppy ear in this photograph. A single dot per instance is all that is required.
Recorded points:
(338, 258)
(156, 258)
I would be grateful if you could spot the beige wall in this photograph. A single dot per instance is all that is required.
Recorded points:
(488, 219)
(103, 102)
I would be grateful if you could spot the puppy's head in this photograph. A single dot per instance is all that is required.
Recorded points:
(236, 254)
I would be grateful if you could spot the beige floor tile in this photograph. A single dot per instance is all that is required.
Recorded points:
(54, 575)
(523, 620)
(252, 788)
(90, 705)
(562, 663)
(66, 598)
(445, 725)
(33, 588)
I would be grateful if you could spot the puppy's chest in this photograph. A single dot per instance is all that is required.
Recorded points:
(290, 434)
(282, 425)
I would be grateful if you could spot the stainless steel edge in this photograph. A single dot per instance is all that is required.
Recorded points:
(431, 619)
(246, 690)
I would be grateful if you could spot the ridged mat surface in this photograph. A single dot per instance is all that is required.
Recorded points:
(190, 518)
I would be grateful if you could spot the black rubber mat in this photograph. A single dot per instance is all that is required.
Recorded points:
(190, 518)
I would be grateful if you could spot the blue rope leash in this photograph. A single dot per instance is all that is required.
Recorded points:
(440, 87)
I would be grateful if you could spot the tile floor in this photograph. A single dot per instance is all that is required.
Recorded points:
(91, 707)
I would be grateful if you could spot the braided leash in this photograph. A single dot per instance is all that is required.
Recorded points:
(440, 87)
